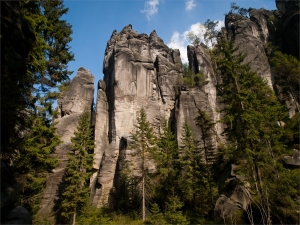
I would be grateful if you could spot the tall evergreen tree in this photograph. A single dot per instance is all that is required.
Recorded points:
(35, 161)
(144, 143)
(78, 170)
(166, 156)
(251, 115)
(47, 64)
(206, 126)
(190, 162)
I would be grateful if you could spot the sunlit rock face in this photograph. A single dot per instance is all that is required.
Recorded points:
(77, 98)
(139, 71)
(250, 39)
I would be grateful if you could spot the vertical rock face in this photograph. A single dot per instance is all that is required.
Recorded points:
(202, 98)
(139, 71)
(77, 98)
(250, 37)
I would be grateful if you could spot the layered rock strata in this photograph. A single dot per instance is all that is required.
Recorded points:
(77, 98)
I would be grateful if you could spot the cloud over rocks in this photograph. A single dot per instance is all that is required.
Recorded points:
(189, 4)
(150, 8)
(181, 41)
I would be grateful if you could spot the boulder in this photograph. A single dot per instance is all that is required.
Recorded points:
(293, 161)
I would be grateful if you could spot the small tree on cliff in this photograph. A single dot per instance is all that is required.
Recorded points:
(143, 142)
(78, 170)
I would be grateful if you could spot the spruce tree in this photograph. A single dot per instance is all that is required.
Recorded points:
(35, 161)
(190, 163)
(252, 116)
(166, 156)
(78, 170)
(144, 143)
(206, 126)
(173, 214)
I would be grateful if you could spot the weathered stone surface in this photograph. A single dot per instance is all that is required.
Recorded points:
(235, 194)
(202, 98)
(139, 71)
(293, 161)
(251, 39)
(77, 98)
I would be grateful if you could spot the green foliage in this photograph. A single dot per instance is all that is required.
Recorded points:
(78, 170)
(47, 62)
(190, 163)
(144, 142)
(190, 79)
(287, 69)
(235, 9)
(193, 38)
(211, 32)
(251, 116)
(34, 161)
(126, 197)
(173, 214)
(156, 217)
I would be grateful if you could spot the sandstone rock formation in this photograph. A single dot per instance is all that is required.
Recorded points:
(77, 98)
(139, 71)
(250, 37)
(204, 98)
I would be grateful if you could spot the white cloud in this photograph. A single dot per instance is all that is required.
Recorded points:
(189, 4)
(181, 41)
(150, 8)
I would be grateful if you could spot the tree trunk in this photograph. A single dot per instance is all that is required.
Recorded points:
(143, 201)
(74, 217)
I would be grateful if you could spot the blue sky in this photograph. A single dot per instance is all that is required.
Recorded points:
(93, 22)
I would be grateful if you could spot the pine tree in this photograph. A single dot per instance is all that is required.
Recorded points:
(173, 214)
(166, 155)
(206, 126)
(211, 32)
(190, 163)
(144, 143)
(251, 116)
(156, 217)
(78, 170)
(35, 161)
(47, 63)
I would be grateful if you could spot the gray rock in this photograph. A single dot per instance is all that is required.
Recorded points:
(235, 193)
(77, 98)
(139, 71)
(293, 161)
(250, 39)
